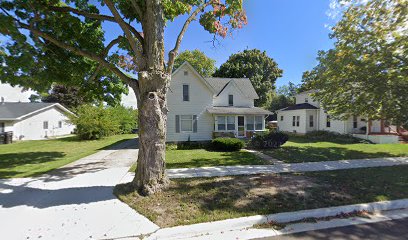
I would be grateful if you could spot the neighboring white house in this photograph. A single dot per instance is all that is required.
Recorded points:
(201, 108)
(34, 121)
(307, 115)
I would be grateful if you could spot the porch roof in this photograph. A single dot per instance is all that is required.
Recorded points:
(239, 110)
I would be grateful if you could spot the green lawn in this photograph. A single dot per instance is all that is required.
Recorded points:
(30, 158)
(301, 149)
(204, 158)
(189, 201)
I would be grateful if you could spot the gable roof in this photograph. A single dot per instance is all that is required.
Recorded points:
(19, 110)
(194, 71)
(243, 84)
(300, 106)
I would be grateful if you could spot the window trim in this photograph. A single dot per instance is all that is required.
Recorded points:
(188, 93)
(181, 123)
(45, 125)
(230, 100)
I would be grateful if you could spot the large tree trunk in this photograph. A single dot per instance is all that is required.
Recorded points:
(153, 83)
(150, 172)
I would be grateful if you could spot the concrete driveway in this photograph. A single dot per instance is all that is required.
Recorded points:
(73, 202)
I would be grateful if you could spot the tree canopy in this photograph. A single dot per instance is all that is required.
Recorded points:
(64, 41)
(255, 65)
(366, 73)
(203, 64)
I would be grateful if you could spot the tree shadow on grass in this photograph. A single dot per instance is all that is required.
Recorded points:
(9, 161)
(292, 154)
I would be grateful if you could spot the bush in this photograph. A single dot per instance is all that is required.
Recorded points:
(227, 144)
(95, 122)
(334, 137)
(268, 140)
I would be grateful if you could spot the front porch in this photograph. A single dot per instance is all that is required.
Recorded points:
(239, 122)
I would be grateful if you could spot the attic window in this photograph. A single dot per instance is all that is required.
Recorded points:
(306, 100)
(185, 73)
(230, 100)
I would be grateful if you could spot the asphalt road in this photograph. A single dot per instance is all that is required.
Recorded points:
(387, 230)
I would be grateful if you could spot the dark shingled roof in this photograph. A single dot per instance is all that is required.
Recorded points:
(300, 106)
(14, 110)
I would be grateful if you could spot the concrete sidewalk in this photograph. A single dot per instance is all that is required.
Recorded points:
(73, 202)
(284, 168)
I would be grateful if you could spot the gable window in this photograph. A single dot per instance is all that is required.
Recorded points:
(294, 121)
(281, 118)
(354, 121)
(298, 121)
(230, 100)
(328, 123)
(306, 100)
(311, 123)
(2, 127)
(59, 124)
(186, 93)
(45, 125)
(185, 73)
(186, 123)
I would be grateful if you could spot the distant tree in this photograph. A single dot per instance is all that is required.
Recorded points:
(366, 73)
(289, 90)
(283, 97)
(70, 97)
(203, 64)
(34, 98)
(255, 65)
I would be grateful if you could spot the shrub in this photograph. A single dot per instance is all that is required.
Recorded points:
(273, 139)
(95, 122)
(227, 144)
(334, 137)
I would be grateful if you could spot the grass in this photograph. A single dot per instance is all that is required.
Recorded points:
(189, 201)
(31, 158)
(301, 149)
(204, 158)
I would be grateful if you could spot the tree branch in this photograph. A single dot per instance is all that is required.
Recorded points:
(128, 34)
(137, 9)
(173, 52)
(96, 16)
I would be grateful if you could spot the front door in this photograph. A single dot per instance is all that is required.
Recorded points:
(241, 126)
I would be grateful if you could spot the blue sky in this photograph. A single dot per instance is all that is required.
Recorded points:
(291, 32)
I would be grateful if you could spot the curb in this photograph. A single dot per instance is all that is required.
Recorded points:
(189, 231)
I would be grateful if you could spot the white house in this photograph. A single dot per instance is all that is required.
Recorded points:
(201, 108)
(34, 121)
(307, 115)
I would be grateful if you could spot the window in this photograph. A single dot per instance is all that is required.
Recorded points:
(281, 118)
(354, 121)
(250, 120)
(230, 100)
(2, 127)
(294, 121)
(231, 123)
(185, 73)
(221, 123)
(186, 94)
(59, 124)
(306, 100)
(186, 123)
(311, 121)
(45, 125)
(328, 121)
(258, 123)
(297, 121)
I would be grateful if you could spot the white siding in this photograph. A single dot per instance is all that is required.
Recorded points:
(335, 125)
(301, 97)
(239, 99)
(31, 128)
(201, 98)
(287, 126)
